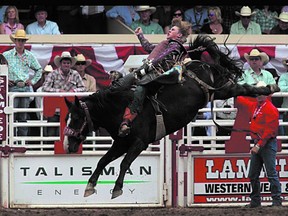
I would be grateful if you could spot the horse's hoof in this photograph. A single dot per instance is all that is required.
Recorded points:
(116, 193)
(89, 190)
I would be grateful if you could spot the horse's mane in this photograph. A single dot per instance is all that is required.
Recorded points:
(106, 95)
(206, 43)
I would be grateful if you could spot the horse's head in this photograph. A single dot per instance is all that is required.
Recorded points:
(78, 125)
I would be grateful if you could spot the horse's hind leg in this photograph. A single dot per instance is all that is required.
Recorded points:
(133, 152)
(112, 154)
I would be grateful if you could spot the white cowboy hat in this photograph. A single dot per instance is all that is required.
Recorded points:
(48, 68)
(64, 55)
(255, 52)
(144, 8)
(283, 17)
(19, 34)
(81, 58)
(245, 11)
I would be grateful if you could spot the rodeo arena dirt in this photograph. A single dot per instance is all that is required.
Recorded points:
(235, 211)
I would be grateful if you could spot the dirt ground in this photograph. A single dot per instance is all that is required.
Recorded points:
(227, 211)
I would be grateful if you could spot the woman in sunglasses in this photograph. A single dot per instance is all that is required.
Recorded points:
(215, 25)
(177, 12)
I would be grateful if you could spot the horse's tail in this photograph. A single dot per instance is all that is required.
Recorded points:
(206, 43)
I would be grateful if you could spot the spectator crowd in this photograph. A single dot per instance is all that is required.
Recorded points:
(210, 19)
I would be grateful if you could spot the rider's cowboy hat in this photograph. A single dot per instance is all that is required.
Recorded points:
(64, 55)
(254, 53)
(144, 8)
(19, 34)
(48, 68)
(245, 11)
(81, 58)
(283, 17)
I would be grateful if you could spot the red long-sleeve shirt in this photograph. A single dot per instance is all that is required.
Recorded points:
(264, 120)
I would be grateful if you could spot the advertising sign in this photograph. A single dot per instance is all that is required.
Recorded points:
(3, 104)
(224, 179)
(61, 180)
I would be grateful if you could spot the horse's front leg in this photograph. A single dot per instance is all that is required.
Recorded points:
(133, 152)
(112, 154)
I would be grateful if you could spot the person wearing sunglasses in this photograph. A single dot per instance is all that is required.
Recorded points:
(255, 72)
(177, 12)
(245, 25)
(215, 25)
(81, 64)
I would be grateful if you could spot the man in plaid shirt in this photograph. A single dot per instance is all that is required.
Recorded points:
(63, 79)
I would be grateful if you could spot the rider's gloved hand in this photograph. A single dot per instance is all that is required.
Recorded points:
(144, 69)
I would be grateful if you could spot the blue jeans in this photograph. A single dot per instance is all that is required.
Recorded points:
(266, 156)
(21, 102)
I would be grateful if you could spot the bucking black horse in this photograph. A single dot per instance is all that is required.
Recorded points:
(178, 104)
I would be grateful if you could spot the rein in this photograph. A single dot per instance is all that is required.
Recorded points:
(78, 133)
(205, 87)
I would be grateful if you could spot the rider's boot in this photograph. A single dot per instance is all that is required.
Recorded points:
(128, 117)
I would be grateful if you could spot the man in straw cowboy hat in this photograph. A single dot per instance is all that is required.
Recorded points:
(169, 49)
(21, 63)
(264, 123)
(255, 72)
(89, 81)
(145, 22)
(245, 25)
(63, 79)
(282, 27)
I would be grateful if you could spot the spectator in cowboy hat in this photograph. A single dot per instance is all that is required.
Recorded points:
(245, 25)
(81, 64)
(145, 22)
(20, 62)
(62, 79)
(282, 27)
(255, 72)
(42, 26)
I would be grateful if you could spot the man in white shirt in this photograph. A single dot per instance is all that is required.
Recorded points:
(42, 26)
